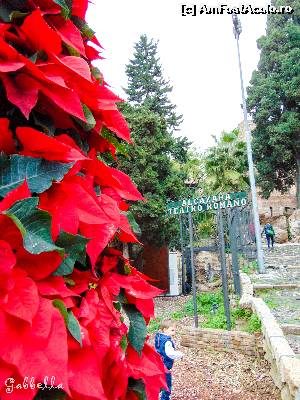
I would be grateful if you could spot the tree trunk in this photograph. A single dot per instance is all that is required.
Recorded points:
(298, 182)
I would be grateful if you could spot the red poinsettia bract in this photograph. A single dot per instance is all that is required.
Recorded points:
(72, 308)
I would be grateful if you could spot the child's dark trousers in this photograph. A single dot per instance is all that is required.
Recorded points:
(270, 240)
(164, 394)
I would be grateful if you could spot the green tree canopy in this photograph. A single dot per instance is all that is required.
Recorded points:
(274, 102)
(154, 172)
(146, 84)
(226, 164)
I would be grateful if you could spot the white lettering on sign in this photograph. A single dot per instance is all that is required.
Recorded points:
(212, 202)
(222, 204)
(236, 203)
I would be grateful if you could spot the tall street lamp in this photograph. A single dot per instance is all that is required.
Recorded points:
(237, 29)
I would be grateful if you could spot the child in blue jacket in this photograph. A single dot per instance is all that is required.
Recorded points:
(165, 346)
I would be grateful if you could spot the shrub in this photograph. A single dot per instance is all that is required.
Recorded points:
(64, 288)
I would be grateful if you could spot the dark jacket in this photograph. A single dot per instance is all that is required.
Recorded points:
(160, 341)
(269, 230)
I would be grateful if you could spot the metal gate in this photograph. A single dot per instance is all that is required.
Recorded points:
(229, 233)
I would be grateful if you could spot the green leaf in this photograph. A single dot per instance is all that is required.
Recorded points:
(60, 305)
(73, 52)
(229, 137)
(134, 225)
(17, 14)
(121, 297)
(39, 173)
(83, 27)
(121, 148)
(124, 343)
(34, 225)
(33, 59)
(75, 248)
(138, 329)
(138, 386)
(69, 282)
(65, 11)
(44, 121)
(70, 321)
(232, 176)
(127, 269)
(117, 305)
(97, 74)
(74, 327)
(90, 120)
(87, 31)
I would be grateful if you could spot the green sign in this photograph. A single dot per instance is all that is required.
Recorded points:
(206, 203)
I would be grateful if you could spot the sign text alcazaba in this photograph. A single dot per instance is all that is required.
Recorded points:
(206, 203)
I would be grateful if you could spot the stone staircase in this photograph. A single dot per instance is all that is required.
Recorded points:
(280, 288)
(282, 266)
(283, 255)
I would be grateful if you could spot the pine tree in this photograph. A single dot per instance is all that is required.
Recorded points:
(154, 172)
(274, 102)
(146, 84)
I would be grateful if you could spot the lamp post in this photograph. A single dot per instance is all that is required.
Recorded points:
(237, 29)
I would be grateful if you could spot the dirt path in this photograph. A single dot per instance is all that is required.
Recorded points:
(204, 375)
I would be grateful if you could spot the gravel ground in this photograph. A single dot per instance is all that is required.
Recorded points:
(204, 375)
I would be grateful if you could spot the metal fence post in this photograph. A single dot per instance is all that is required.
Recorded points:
(183, 275)
(193, 270)
(232, 224)
(223, 268)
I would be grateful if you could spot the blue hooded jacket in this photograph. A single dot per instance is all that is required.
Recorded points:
(160, 341)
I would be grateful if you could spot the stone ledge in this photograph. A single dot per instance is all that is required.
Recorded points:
(290, 329)
(262, 286)
(285, 366)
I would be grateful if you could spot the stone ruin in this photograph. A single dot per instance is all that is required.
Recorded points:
(281, 211)
(207, 267)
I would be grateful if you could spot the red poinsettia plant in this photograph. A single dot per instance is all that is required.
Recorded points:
(73, 311)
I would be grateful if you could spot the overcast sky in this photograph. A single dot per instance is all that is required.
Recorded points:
(198, 55)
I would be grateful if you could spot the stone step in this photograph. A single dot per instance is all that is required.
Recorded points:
(263, 286)
(295, 268)
(291, 329)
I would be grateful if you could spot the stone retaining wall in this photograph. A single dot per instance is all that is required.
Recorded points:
(221, 340)
(285, 365)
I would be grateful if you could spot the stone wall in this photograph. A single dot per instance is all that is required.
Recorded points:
(221, 340)
(277, 204)
(280, 210)
(285, 366)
